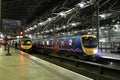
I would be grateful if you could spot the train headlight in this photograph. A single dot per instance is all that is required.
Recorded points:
(84, 51)
(28, 42)
(95, 51)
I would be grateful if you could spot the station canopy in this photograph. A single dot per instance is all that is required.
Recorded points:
(60, 16)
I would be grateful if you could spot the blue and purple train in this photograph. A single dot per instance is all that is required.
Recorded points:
(79, 45)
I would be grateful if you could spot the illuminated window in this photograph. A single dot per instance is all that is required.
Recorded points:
(62, 43)
(43, 42)
(70, 42)
(48, 43)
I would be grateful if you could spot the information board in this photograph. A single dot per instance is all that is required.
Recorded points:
(11, 24)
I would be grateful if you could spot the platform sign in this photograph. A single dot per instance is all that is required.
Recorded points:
(11, 24)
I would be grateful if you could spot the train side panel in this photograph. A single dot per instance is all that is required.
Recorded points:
(78, 46)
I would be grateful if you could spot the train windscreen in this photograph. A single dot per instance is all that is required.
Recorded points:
(26, 42)
(89, 42)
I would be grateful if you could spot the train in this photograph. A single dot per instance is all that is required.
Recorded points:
(26, 43)
(79, 46)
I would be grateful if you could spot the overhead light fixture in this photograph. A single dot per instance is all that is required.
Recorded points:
(46, 31)
(116, 30)
(28, 30)
(118, 22)
(62, 14)
(89, 32)
(40, 24)
(49, 19)
(81, 4)
(31, 28)
(69, 32)
(64, 27)
(102, 27)
(88, 2)
(75, 32)
(105, 15)
(35, 26)
(38, 33)
(57, 28)
(105, 31)
(51, 30)
(73, 24)
(90, 29)
(102, 15)
(113, 20)
(116, 26)
(58, 34)
(63, 33)
(83, 30)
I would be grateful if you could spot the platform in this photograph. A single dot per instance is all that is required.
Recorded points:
(110, 55)
(22, 66)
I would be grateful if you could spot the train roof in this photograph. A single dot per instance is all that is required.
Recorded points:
(71, 36)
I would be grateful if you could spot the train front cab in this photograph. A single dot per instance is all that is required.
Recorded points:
(26, 43)
(90, 46)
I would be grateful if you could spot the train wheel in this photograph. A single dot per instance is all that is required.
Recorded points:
(90, 58)
(85, 58)
(59, 54)
(72, 57)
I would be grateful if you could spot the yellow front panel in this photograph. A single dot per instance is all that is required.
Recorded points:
(26, 46)
(89, 51)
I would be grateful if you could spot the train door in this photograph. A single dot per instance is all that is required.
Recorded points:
(51, 43)
(56, 44)
(62, 44)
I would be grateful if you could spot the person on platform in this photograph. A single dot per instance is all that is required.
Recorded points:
(15, 45)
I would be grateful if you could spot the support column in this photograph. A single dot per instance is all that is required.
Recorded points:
(54, 31)
(109, 36)
(97, 10)
(36, 36)
(0, 16)
(92, 25)
(23, 24)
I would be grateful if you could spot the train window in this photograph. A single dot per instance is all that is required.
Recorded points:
(70, 42)
(62, 43)
(22, 42)
(56, 42)
(89, 42)
(43, 42)
(40, 42)
(48, 43)
(26, 42)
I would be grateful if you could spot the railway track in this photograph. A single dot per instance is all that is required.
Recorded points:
(101, 70)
